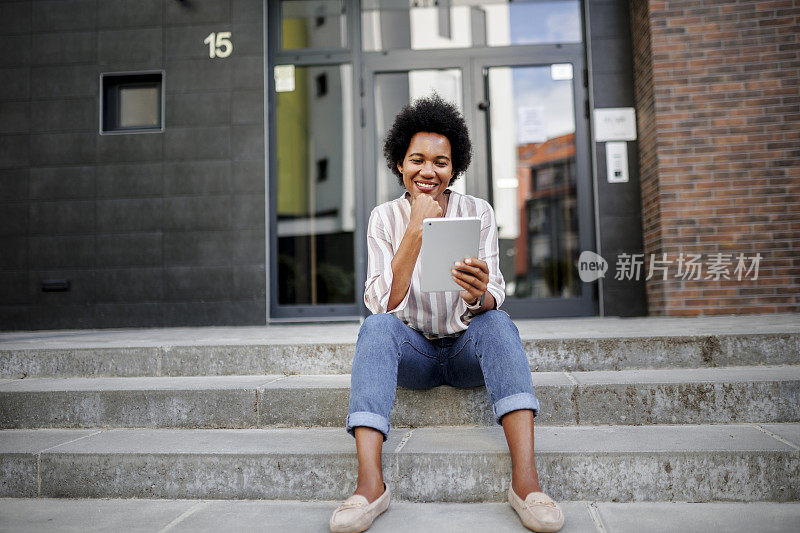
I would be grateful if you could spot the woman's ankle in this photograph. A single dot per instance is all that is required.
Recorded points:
(371, 489)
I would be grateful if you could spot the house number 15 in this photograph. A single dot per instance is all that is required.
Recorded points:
(219, 44)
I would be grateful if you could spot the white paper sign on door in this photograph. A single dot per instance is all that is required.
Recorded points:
(531, 125)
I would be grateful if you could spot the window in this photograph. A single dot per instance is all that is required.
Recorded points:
(132, 102)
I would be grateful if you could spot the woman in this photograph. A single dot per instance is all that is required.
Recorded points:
(421, 340)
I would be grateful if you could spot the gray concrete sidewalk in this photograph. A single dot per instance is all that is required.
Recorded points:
(42, 515)
(328, 333)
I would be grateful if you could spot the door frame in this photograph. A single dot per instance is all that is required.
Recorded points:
(472, 62)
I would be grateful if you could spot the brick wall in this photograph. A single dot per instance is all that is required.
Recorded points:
(718, 111)
(153, 229)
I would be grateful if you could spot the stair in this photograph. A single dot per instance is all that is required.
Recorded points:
(642, 412)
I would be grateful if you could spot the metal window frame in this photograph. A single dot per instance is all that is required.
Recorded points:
(102, 99)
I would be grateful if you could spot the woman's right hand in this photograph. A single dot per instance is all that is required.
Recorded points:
(424, 207)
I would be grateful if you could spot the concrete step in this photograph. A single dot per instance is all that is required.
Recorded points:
(665, 396)
(133, 515)
(694, 463)
(577, 344)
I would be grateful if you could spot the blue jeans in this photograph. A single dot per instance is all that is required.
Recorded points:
(390, 353)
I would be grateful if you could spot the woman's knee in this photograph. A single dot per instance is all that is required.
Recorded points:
(380, 324)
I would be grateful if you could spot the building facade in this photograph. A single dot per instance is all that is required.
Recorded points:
(215, 162)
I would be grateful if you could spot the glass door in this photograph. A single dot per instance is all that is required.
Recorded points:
(533, 143)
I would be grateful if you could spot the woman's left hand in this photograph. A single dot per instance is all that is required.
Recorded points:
(473, 275)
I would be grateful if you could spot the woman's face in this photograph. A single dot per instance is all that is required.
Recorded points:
(427, 166)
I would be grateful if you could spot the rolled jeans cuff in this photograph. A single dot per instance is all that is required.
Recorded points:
(523, 400)
(365, 418)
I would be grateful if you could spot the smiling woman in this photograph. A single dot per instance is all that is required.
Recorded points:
(422, 340)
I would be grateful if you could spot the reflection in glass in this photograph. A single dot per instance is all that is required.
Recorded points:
(534, 175)
(313, 24)
(393, 91)
(429, 24)
(315, 180)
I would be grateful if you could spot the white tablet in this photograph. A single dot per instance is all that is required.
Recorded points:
(445, 241)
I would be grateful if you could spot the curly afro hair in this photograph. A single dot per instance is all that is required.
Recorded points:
(434, 115)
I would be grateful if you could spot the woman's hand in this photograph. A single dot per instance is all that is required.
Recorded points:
(424, 207)
(473, 275)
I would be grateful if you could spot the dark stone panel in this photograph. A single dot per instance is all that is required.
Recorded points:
(62, 316)
(63, 48)
(131, 179)
(617, 198)
(14, 151)
(63, 217)
(204, 109)
(629, 301)
(249, 246)
(14, 184)
(62, 183)
(248, 39)
(62, 148)
(14, 117)
(198, 283)
(15, 318)
(198, 11)
(611, 56)
(192, 75)
(248, 72)
(13, 218)
(247, 107)
(249, 282)
(14, 288)
(613, 90)
(229, 313)
(247, 11)
(64, 115)
(15, 18)
(129, 285)
(248, 176)
(621, 233)
(198, 247)
(197, 213)
(13, 253)
(134, 249)
(608, 19)
(197, 177)
(119, 315)
(187, 41)
(15, 83)
(70, 251)
(81, 291)
(248, 211)
(129, 13)
(131, 147)
(248, 142)
(16, 50)
(65, 81)
(130, 49)
(197, 143)
(133, 214)
(57, 15)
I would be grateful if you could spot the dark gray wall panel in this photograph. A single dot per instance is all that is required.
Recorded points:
(198, 283)
(248, 211)
(248, 38)
(62, 183)
(64, 115)
(14, 117)
(62, 148)
(46, 251)
(128, 315)
(248, 246)
(60, 15)
(129, 249)
(129, 285)
(197, 143)
(129, 148)
(248, 107)
(129, 13)
(15, 252)
(65, 81)
(248, 176)
(129, 179)
(13, 218)
(130, 214)
(62, 217)
(14, 83)
(130, 49)
(199, 11)
(14, 288)
(82, 287)
(185, 248)
(63, 48)
(204, 109)
(187, 41)
(14, 184)
(16, 50)
(14, 151)
(197, 177)
(197, 213)
(15, 17)
(248, 142)
(246, 10)
(248, 282)
(193, 75)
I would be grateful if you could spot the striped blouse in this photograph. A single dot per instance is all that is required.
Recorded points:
(435, 314)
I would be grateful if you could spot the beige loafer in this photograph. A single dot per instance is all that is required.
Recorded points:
(356, 513)
(538, 511)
